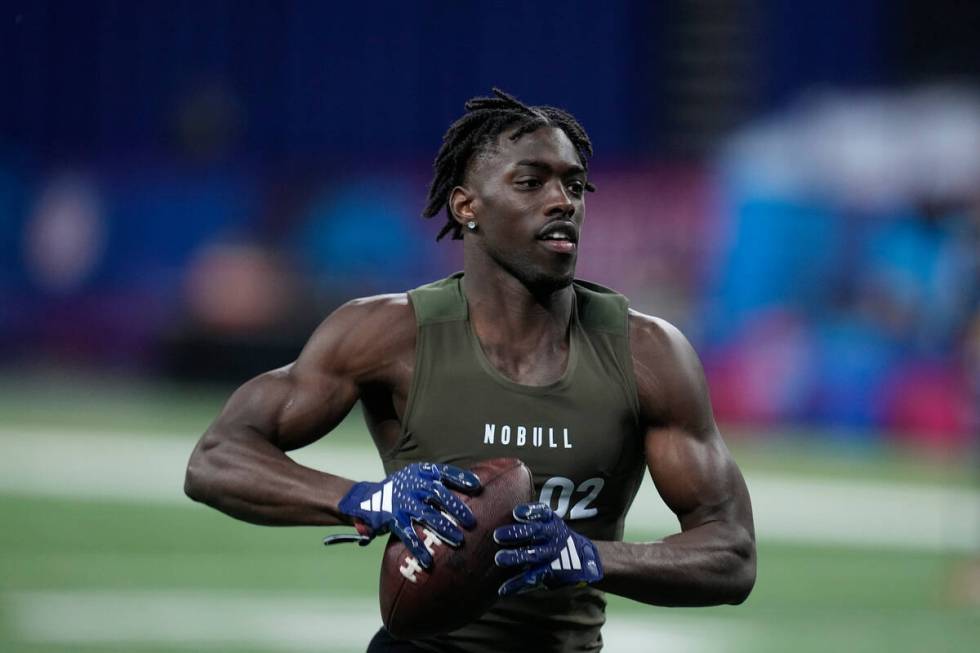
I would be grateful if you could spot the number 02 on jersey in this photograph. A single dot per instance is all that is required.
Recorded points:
(585, 494)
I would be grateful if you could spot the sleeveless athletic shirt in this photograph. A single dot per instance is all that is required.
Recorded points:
(579, 436)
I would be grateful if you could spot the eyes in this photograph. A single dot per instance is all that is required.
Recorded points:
(576, 187)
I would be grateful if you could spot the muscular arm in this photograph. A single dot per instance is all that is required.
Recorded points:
(712, 560)
(240, 466)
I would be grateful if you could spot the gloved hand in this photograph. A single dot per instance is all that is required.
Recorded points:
(416, 493)
(551, 553)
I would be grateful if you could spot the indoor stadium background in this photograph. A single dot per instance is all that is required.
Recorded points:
(187, 188)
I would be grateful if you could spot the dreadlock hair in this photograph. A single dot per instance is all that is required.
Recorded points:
(485, 119)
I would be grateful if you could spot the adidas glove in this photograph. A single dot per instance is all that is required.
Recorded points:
(417, 493)
(551, 554)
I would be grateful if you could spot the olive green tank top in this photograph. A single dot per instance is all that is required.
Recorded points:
(579, 436)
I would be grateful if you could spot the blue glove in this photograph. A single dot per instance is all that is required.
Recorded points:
(551, 553)
(417, 493)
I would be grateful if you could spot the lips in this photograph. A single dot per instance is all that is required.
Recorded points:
(560, 246)
(562, 231)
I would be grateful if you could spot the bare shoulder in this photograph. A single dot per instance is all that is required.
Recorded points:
(363, 336)
(655, 340)
(391, 311)
(670, 379)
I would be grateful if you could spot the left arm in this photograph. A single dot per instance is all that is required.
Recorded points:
(712, 560)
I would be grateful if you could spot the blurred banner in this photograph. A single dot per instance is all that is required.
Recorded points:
(186, 190)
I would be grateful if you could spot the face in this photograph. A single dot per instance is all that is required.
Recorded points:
(528, 198)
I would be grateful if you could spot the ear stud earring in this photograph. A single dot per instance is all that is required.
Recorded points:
(471, 225)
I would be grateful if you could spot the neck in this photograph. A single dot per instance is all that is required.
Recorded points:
(506, 312)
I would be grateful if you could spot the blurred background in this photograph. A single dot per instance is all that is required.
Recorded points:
(188, 188)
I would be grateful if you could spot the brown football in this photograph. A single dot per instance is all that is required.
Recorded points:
(462, 582)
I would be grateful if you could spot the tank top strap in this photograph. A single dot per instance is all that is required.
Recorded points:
(439, 301)
(601, 309)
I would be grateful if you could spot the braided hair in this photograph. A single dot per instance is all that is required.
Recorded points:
(485, 119)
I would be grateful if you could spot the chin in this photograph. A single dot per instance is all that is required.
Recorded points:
(549, 282)
(540, 279)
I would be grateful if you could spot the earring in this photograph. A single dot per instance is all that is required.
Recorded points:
(471, 225)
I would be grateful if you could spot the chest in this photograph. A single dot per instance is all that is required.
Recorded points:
(578, 435)
(538, 367)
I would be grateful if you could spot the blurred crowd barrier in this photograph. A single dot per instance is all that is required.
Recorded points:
(848, 284)
(825, 265)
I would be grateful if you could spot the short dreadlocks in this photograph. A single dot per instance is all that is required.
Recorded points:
(485, 119)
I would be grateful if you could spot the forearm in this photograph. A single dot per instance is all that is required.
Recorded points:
(711, 564)
(251, 479)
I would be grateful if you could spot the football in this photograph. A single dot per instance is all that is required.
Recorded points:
(462, 582)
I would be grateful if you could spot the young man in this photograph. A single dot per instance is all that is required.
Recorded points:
(510, 358)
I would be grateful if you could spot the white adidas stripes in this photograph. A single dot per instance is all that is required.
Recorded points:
(380, 501)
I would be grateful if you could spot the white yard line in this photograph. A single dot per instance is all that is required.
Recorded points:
(149, 469)
(198, 620)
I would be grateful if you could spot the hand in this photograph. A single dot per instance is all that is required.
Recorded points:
(416, 493)
(550, 552)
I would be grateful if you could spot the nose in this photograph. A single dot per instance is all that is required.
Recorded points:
(559, 202)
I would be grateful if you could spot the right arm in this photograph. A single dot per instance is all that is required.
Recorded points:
(240, 466)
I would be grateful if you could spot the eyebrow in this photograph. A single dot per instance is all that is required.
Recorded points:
(530, 163)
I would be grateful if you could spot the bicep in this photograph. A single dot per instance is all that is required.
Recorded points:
(691, 467)
(697, 477)
(289, 407)
(296, 405)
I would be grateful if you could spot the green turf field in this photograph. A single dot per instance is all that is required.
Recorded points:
(79, 574)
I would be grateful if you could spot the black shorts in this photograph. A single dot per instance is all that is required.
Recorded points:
(383, 642)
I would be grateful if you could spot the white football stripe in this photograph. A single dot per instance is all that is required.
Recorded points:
(376, 501)
(556, 564)
(565, 563)
(366, 504)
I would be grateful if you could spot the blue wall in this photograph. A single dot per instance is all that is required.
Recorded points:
(315, 77)
(330, 79)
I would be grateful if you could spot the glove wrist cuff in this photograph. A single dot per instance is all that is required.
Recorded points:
(350, 503)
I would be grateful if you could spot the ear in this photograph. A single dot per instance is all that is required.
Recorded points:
(461, 204)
